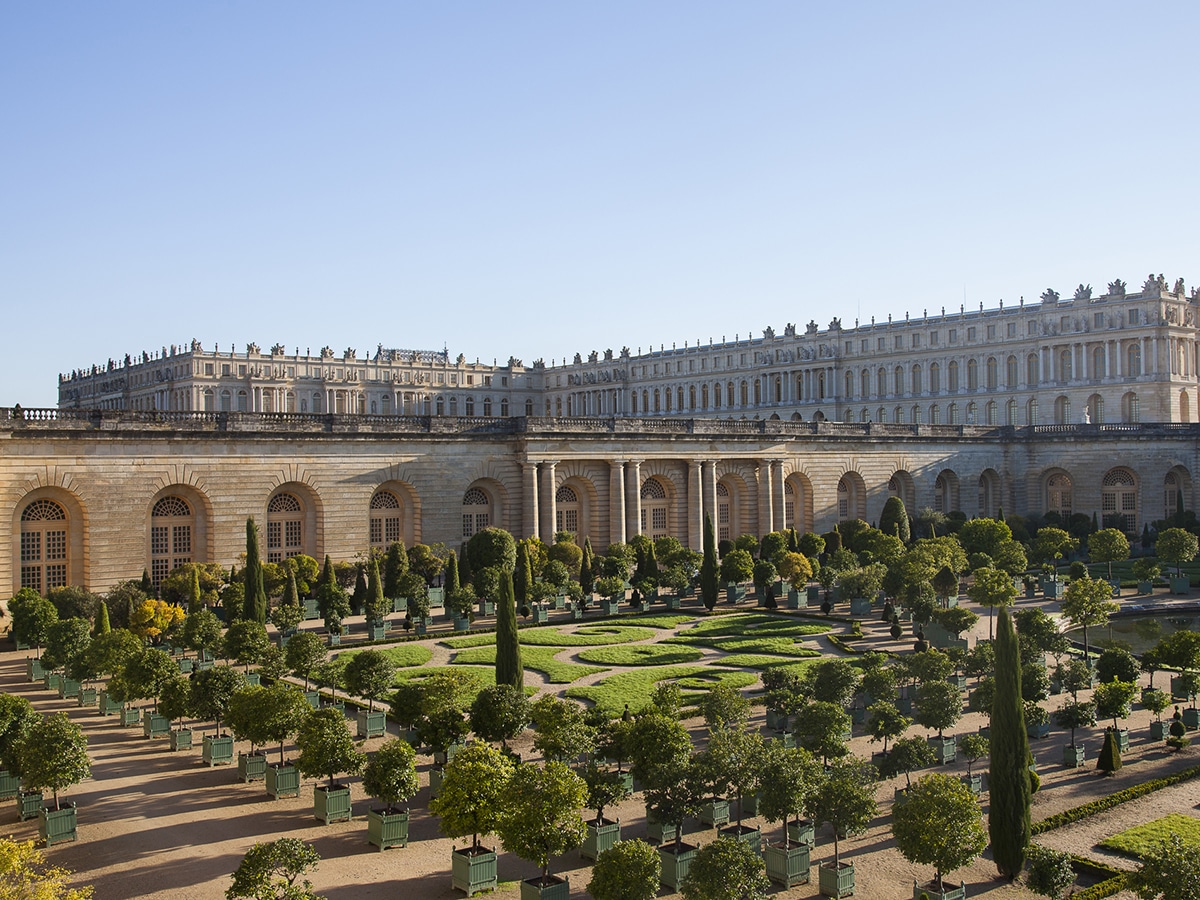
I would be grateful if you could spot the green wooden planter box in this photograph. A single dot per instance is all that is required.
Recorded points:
(87, 697)
(460, 624)
(29, 804)
(473, 871)
(19, 644)
(131, 715)
(68, 688)
(10, 785)
(252, 766)
(333, 640)
(441, 757)
(181, 739)
(541, 614)
(186, 665)
(51, 680)
(313, 698)
(777, 722)
(283, 781)
(715, 812)
(57, 826)
(675, 863)
(311, 610)
(600, 838)
(203, 664)
(751, 837)
(1178, 691)
(400, 604)
(796, 599)
(673, 602)
(437, 596)
(1123, 740)
(1073, 756)
(487, 608)
(34, 670)
(787, 867)
(436, 775)
(253, 679)
(945, 749)
(974, 782)
(659, 832)
(802, 832)
(609, 607)
(1180, 585)
(788, 739)
(1191, 717)
(387, 828)
(1053, 590)
(108, 706)
(217, 751)
(860, 606)
(1145, 587)
(946, 893)
(1037, 731)
(376, 631)
(332, 804)
(371, 724)
(155, 726)
(837, 882)
(1158, 731)
(559, 888)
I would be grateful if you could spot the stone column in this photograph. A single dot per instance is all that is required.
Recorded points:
(546, 502)
(708, 490)
(695, 506)
(529, 502)
(616, 501)
(633, 501)
(779, 520)
(762, 475)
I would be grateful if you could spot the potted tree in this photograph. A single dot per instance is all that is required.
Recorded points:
(390, 776)
(499, 713)
(629, 870)
(17, 716)
(369, 674)
(283, 712)
(471, 803)
(146, 674)
(212, 689)
(1175, 545)
(726, 869)
(32, 616)
(375, 605)
(822, 729)
(732, 764)
(908, 755)
(1037, 720)
(940, 825)
(175, 704)
(1157, 702)
(659, 748)
(885, 722)
(67, 639)
(53, 756)
(246, 643)
(783, 696)
(460, 606)
(939, 706)
(541, 820)
(1145, 570)
(611, 589)
(788, 779)
(562, 731)
(604, 787)
(1114, 700)
(1075, 676)
(974, 747)
(327, 749)
(305, 651)
(110, 653)
(845, 798)
(201, 633)
(674, 796)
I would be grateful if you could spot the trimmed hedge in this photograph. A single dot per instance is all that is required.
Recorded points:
(1070, 816)
(1107, 887)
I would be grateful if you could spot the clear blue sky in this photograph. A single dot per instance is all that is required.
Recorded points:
(537, 179)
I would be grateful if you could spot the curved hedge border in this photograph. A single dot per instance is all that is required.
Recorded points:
(1070, 816)
(1101, 889)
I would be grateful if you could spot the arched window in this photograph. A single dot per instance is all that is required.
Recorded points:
(972, 375)
(724, 531)
(1133, 363)
(898, 415)
(989, 493)
(243, 401)
(476, 512)
(1131, 410)
(935, 415)
(1185, 407)
(729, 401)
(566, 510)
(954, 414)
(864, 383)
(916, 414)
(654, 508)
(704, 396)
(1095, 408)
(209, 400)
(657, 400)
(881, 415)
(468, 406)
(171, 530)
(679, 399)
(44, 546)
(745, 395)
(990, 410)
(1011, 373)
(992, 373)
(487, 406)
(1058, 494)
(316, 401)
(952, 376)
(778, 390)
(1064, 365)
(1062, 410)
(1099, 363)
(945, 493)
(454, 406)
(881, 383)
(757, 392)
(898, 379)
(935, 378)
(440, 406)
(1031, 411)
(1174, 496)
(1031, 370)
(849, 385)
(528, 408)
(1118, 500)
(972, 413)
(1011, 415)
(634, 398)
(285, 527)
(691, 396)
(916, 380)
(387, 519)
(226, 401)
(851, 497)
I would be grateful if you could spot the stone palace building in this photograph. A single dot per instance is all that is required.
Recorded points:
(1081, 405)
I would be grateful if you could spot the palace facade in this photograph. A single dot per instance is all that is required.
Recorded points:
(1087, 405)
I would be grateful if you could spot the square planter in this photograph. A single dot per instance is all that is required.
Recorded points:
(1123, 740)
(437, 596)
(34, 670)
(946, 893)
(441, 757)
(155, 726)
(796, 600)
(473, 870)
(560, 602)
(945, 749)
(283, 781)
(673, 602)
(56, 826)
(387, 828)
(217, 751)
(1191, 717)
(68, 688)
(1073, 756)
(1037, 731)
(1053, 590)
(608, 607)
(749, 805)
(252, 766)
(107, 705)
(29, 804)
(186, 665)
(860, 606)
(253, 679)
(10, 785)
(51, 681)
(487, 608)
(460, 624)
(371, 724)
(787, 868)
(600, 838)
(87, 697)
(559, 888)
(1158, 731)
(576, 611)
(715, 812)
(332, 804)
(541, 614)
(837, 882)
(659, 832)
(311, 610)
(974, 782)
(181, 739)
(788, 739)
(1180, 585)
(204, 664)
(131, 715)
(1178, 691)
(803, 832)
(675, 863)
(1145, 587)
(776, 721)
(436, 774)
(400, 604)
(746, 834)
(376, 631)
(959, 681)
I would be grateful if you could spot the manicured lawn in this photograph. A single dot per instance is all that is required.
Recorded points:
(754, 625)
(587, 636)
(641, 655)
(539, 659)
(1135, 841)
(669, 620)
(762, 660)
(612, 693)
(784, 646)
(403, 655)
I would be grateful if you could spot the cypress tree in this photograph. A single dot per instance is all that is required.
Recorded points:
(327, 589)
(894, 519)
(102, 625)
(464, 567)
(375, 602)
(147, 585)
(508, 647)
(395, 567)
(587, 577)
(291, 594)
(194, 592)
(522, 578)
(708, 568)
(1009, 820)
(1110, 754)
(358, 599)
(254, 603)
(1179, 508)
(452, 582)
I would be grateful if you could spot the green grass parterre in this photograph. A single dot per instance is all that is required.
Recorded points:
(641, 655)
(539, 659)
(1137, 840)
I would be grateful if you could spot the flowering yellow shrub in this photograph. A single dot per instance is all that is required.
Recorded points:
(153, 618)
(24, 875)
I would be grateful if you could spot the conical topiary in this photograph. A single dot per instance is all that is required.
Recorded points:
(1110, 754)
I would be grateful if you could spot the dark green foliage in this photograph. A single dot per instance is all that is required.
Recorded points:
(509, 669)
(1118, 663)
(1050, 872)
(332, 601)
(908, 755)
(522, 578)
(1009, 818)
(395, 566)
(254, 597)
(587, 575)
(102, 625)
(375, 605)
(452, 579)
(708, 568)
(726, 869)
(894, 519)
(1110, 754)
(369, 674)
(491, 547)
